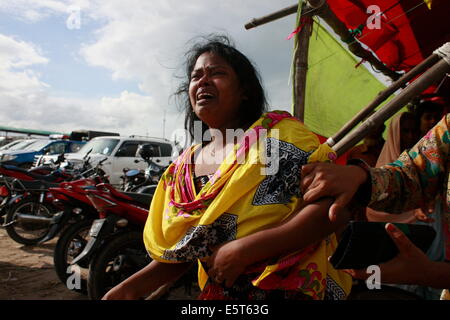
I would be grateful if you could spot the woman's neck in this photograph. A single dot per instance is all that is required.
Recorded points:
(219, 132)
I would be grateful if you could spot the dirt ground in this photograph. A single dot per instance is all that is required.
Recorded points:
(27, 273)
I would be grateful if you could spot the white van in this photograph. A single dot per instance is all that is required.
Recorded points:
(121, 153)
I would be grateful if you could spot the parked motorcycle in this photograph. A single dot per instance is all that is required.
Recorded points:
(52, 172)
(5, 195)
(115, 249)
(143, 181)
(11, 176)
(32, 215)
(29, 211)
(72, 222)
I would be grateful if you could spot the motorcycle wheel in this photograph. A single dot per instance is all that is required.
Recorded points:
(28, 233)
(69, 245)
(121, 257)
(148, 189)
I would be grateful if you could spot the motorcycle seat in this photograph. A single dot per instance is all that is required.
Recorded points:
(141, 198)
(49, 178)
(13, 168)
(37, 185)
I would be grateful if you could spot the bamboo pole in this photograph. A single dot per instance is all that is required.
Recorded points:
(301, 67)
(431, 76)
(271, 17)
(321, 8)
(354, 46)
(382, 96)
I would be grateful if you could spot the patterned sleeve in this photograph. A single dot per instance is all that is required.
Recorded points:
(416, 177)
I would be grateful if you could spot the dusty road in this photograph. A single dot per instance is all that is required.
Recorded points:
(27, 273)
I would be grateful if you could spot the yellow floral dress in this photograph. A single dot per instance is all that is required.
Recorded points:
(256, 186)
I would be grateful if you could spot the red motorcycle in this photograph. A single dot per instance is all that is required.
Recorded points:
(31, 213)
(72, 223)
(9, 174)
(115, 249)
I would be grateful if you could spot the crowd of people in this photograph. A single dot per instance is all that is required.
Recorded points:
(260, 229)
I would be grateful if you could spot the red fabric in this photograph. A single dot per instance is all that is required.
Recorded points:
(407, 35)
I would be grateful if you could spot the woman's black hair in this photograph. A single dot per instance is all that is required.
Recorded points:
(255, 104)
(426, 106)
(405, 116)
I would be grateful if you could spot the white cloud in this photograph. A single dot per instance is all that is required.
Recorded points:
(138, 114)
(26, 100)
(18, 54)
(20, 85)
(16, 76)
(35, 10)
(130, 113)
(146, 40)
(138, 40)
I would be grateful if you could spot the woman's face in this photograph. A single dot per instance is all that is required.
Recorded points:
(214, 91)
(428, 120)
(408, 133)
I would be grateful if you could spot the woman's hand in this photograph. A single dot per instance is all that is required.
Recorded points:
(120, 292)
(227, 262)
(331, 180)
(410, 266)
(147, 280)
(424, 214)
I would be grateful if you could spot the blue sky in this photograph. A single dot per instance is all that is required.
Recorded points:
(116, 72)
(67, 73)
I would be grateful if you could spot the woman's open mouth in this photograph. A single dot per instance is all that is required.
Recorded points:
(204, 98)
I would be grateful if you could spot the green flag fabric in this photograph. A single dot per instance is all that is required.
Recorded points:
(335, 89)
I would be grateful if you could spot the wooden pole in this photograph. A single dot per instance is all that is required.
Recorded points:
(353, 45)
(301, 66)
(255, 22)
(271, 17)
(321, 8)
(382, 96)
(431, 76)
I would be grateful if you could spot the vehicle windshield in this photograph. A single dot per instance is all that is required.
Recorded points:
(22, 144)
(99, 146)
(37, 145)
(9, 145)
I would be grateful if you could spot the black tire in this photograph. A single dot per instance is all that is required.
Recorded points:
(28, 233)
(69, 245)
(119, 258)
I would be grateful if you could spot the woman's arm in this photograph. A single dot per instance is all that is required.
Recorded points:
(331, 180)
(309, 225)
(411, 182)
(380, 216)
(147, 280)
(416, 177)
